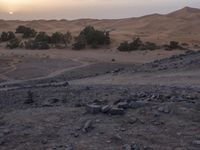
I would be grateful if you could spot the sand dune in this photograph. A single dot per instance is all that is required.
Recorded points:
(182, 25)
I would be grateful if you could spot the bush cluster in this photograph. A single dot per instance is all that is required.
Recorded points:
(7, 36)
(80, 43)
(41, 41)
(26, 31)
(32, 44)
(13, 43)
(173, 45)
(88, 37)
(137, 44)
(91, 37)
(60, 38)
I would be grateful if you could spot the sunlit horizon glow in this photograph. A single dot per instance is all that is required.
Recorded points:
(74, 9)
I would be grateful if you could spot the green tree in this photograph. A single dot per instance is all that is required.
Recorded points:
(150, 46)
(124, 46)
(136, 44)
(57, 38)
(67, 38)
(95, 37)
(6, 36)
(174, 45)
(13, 43)
(26, 31)
(42, 37)
(80, 43)
(107, 38)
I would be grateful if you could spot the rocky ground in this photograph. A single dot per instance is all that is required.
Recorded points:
(69, 111)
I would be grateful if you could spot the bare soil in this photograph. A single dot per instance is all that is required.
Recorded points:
(155, 97)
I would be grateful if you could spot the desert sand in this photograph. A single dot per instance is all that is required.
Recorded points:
(182, 26)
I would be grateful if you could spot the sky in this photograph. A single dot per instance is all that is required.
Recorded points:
(98, 9)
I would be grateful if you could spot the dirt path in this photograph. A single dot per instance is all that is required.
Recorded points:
(12, 67)
(5, 85)
(182, 78)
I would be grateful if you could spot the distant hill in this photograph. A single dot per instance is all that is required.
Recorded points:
(182, 25)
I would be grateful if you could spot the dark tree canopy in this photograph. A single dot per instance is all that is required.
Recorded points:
(94, 37)
(57, 38)
(137, 44)
(42, 37)
(32, 44)
(80, 43)
(124, 46)
(26, 31)
(6, 36)
(13, 43)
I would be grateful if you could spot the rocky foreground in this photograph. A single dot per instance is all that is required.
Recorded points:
(60, 115)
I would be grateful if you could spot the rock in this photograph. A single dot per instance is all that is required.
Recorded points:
(147, 148)
(87, 88)
(156, 114)
(164, 109)
(116, 137)
(66, 83)
(136, 105)
(53, 100)
(132, 120)
(135, 146)
(116, 111)
(93, 109)
(75, 134)
(29, 99)
(44, 141)
(47, 104)
(2, 142)
(1, 135)
(6, 131)
(127, 147)
(87, 126)
(123, 105)
(105, 109)
(69, 147)
(117, 70)
(196, 142)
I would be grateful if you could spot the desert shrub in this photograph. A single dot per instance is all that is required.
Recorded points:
(42, 45)
(26, 31)
(107, 38)
(13, 43)
(29, 44)
(185, 44)
(33, 44)
(136, 44)
(80, 43)
(92, 37)
(124, 46)
(57, 38)
(41, 41)
(150, 46)
(173, 45)
(60, 38)
(67, 38)
(43, 37)
(6, 36)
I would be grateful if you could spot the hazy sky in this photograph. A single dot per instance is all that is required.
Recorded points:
(73, 9)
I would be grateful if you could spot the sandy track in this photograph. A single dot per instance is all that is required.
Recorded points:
(51, 75)
(184, 78)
